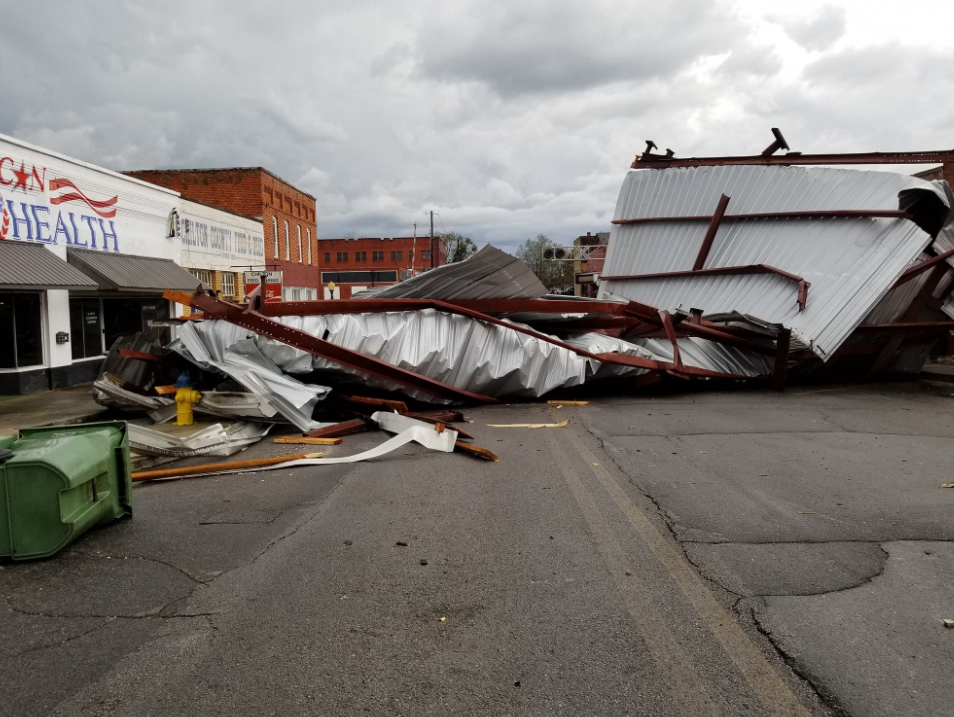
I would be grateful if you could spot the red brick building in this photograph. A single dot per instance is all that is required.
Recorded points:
(586, 272)
(354, 265)
(288, 215)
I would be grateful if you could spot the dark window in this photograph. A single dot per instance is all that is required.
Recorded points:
(393, 256)
(364, 256)
(399, 255)
(345, 257)
(410, 255)
(21, 341)
(327, 257)
(124, 317)
(424, 254)
(358, 277)
(86, 328)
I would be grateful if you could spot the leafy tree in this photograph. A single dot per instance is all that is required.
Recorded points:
(457, 247)
(553, 274)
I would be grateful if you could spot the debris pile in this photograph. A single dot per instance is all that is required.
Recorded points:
(721, 272)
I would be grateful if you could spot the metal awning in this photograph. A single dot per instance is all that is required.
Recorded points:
(33, 266)
(126, 273)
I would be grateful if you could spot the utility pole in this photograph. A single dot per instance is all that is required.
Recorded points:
(432, 238)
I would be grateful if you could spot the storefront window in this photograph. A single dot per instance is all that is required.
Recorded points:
(228, 283)
(21, 340)
(86, 332)
(124, 317)
(202, 275)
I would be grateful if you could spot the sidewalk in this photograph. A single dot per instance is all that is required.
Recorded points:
(47, 408)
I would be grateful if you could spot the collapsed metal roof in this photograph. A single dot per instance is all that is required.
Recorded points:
(845, 236)
(490, 273)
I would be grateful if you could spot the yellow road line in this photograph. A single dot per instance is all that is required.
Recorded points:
(686, 687)
(771, 690)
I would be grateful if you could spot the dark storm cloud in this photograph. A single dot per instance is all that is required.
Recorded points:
(508, 118)
(554, 45)
(818, 32)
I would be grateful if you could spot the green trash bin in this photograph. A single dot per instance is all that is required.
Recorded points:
(56, 483)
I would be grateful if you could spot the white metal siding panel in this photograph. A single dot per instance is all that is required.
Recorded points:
(850, 263)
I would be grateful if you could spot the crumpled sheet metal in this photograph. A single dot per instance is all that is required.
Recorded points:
(233, 351)
(111, 395)
(456, 350)
(488, 274)
(851, 263)
(214, 440)
(476, 356)
(697, 352)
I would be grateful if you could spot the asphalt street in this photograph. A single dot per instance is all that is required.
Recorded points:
(714, 553)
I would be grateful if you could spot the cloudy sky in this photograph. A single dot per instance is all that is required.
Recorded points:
(508, 118)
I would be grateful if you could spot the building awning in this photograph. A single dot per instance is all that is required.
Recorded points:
(131, 274)
(33, 266)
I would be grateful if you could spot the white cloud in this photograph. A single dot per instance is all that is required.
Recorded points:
(509, 119)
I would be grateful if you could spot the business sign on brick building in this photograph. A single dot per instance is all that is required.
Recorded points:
(273, 284)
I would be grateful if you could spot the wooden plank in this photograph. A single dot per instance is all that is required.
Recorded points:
(346, 428)
(216, 467)
(384, 403)
(476, 451)
(307, 440)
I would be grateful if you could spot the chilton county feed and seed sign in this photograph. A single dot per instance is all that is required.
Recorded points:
(212, 239)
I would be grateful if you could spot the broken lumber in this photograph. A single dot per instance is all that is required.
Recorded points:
(219, 467)
(570, 403)
(307, 440)
(476, 451)
(345, 428)
(561, 424)
(438, 418)
(379, 403)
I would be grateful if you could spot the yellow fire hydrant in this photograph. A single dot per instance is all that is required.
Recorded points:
(186, 398)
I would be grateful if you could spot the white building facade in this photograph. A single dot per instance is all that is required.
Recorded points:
(85, 255)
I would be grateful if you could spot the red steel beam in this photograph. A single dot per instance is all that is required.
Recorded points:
(917, 269)
(717, 271)
(912, 312)
(483, 306)
(818, 214)
(660, 161)
(711, 233)
(671, 335)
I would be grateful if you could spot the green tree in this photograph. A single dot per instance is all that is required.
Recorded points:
(553, 274)
(458, 247)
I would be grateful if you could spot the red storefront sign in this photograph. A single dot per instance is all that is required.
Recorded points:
(273, 284)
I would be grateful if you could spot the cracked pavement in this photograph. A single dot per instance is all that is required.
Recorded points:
(720, 552)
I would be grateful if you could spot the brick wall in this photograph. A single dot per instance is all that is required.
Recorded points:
(256, 192)
(387, 250)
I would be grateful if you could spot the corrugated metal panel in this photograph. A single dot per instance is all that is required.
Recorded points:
(123, 272)
(32, 266)
(850, 263)
(456, 350)
(488, 274)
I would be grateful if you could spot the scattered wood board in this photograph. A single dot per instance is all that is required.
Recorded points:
(570, 403)
(386, 404)
(346, 428)
(476, 451)
(307, 440)
(561, 424)
(217, 467)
